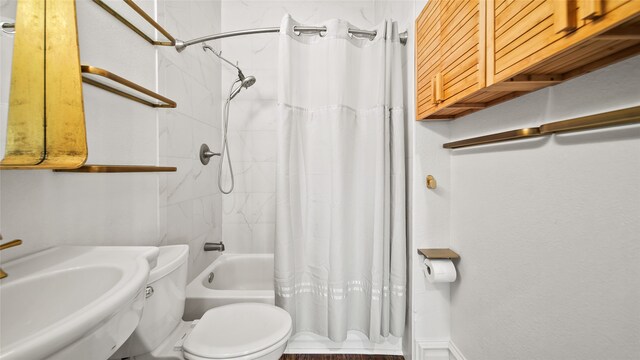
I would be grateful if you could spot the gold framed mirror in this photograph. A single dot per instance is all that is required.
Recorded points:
(25, 137)
(45, 122)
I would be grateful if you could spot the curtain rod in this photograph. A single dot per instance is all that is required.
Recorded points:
(181, 45)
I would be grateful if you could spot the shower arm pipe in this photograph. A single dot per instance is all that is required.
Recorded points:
(181, 45)
(219, 55)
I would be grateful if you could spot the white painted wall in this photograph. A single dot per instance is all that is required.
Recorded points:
(46, 209)
(548, 229)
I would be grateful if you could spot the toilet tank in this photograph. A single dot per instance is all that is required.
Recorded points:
(164, 305)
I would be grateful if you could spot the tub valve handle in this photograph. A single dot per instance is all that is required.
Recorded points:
(219, 246)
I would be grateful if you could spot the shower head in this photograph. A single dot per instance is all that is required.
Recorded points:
(248, 81)
(245, 82)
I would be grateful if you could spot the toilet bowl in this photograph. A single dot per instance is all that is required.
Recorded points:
(244, 331)
(239, 331)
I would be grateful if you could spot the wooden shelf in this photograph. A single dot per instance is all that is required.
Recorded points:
(620, 117)
(113, 83)
(119, 169)
(438, 254)
(494, 138)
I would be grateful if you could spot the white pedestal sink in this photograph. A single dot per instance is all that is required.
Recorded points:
(72, 302)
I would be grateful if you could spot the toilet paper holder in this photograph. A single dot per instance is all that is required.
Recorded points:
(443, 268)
(432, 254)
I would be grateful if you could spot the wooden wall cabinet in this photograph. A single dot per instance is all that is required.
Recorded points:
(522, 46)
(427, 59)
(449, 56)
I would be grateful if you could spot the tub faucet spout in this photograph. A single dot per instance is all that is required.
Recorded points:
(219, 246)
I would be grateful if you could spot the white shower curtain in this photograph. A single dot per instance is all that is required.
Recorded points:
(340, 219)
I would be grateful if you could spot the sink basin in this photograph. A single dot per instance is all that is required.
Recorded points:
(25, 310)
(72, 302)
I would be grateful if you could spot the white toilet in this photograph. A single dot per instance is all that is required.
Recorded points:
(243, 331)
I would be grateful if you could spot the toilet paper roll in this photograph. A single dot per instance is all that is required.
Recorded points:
(440, 270)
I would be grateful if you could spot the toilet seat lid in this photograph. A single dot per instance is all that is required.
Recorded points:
(237, 330)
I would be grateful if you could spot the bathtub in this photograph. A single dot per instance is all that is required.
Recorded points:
(236, 278)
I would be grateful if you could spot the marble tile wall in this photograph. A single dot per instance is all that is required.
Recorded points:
(190, 208)
(248, 219)
(45, 208)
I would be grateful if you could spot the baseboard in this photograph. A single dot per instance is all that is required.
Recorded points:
(356, 343)
(437, 350)
(457, 354)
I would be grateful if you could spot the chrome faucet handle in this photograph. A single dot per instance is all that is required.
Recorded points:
(206, 154)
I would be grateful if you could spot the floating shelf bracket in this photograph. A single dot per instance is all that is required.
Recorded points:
(171, 40)
(96, 77)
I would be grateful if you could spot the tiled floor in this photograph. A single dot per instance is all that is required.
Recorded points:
(339, 357)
